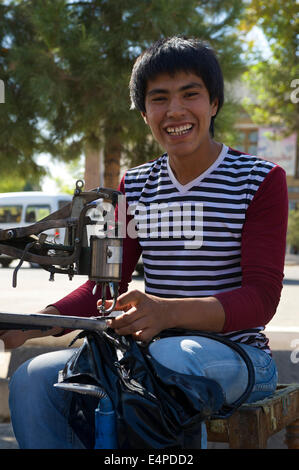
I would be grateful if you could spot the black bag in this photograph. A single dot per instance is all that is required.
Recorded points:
(156, 408)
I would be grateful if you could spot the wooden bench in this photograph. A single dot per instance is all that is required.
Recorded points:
(252, 424)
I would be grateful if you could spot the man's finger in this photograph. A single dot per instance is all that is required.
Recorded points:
(129, 298)
(124, 301)
(130, 327)
(124, 319)
(144, 335)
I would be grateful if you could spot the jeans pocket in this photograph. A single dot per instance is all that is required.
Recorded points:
(265, 374)
(265, 383)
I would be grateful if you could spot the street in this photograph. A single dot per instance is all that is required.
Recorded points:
(34, 291)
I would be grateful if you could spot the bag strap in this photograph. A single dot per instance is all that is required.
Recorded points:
(227, 409)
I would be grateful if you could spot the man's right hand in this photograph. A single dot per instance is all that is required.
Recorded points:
(14, 338)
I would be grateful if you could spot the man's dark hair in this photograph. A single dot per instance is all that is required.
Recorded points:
(173, 55)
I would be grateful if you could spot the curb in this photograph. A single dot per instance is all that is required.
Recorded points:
(18, 356)
(4, 409)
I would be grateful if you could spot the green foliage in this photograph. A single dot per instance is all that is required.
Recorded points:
(13, 181)
(74, 170)
(293, 228)
(272, 80)
(66, 68)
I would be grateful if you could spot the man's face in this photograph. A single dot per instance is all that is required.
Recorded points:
(178, 111)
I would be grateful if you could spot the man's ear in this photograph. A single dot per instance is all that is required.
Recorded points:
(215, 106)
(144, 117)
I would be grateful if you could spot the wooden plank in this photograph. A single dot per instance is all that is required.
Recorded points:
(252, 424)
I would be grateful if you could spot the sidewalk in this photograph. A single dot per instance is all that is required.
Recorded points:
(291, 259)
(8, 441)
(7, 438)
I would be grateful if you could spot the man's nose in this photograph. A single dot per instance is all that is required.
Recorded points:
(175, 108)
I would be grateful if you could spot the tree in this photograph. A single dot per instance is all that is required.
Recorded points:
(275, 80)
(75, 170)
(66, 68)
(293, 229)
(15, 182)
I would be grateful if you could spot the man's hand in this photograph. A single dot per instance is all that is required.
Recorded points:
(144, 315)
(14, 338)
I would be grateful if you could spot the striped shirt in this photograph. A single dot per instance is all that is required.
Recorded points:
(191, 234)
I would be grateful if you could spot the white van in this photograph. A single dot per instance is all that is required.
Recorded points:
(25, 208)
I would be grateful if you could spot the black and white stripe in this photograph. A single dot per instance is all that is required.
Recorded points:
(173, 267)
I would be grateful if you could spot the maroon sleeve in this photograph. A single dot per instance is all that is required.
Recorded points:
(262, 257)
(82, 302)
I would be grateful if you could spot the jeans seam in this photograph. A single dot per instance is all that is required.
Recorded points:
(267, 356)
(268, 382)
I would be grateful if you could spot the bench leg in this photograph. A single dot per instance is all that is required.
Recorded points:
(292, 435)
(247, 431)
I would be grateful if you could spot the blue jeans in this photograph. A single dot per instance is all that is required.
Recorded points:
(39, 411)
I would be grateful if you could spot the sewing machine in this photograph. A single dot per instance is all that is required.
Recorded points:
(92, 246)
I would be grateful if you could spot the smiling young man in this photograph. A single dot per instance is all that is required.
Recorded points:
(229, 282)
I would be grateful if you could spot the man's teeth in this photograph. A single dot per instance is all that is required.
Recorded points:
(179, 130)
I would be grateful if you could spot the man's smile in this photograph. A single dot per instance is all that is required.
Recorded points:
(179, 130)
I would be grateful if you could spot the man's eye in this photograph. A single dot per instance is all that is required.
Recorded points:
(159, 98)
(190, 94)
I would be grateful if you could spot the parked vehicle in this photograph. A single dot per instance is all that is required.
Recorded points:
(18, 209)
(139, 267)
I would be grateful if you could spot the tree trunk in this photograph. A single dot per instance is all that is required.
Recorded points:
(112, 155)
(92, 176)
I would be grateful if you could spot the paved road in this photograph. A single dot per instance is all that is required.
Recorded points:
(34, 291)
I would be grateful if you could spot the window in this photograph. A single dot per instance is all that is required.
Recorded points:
(10, 213)
(249, 140)
(62, 203)
(293, 205)
(34, 213)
